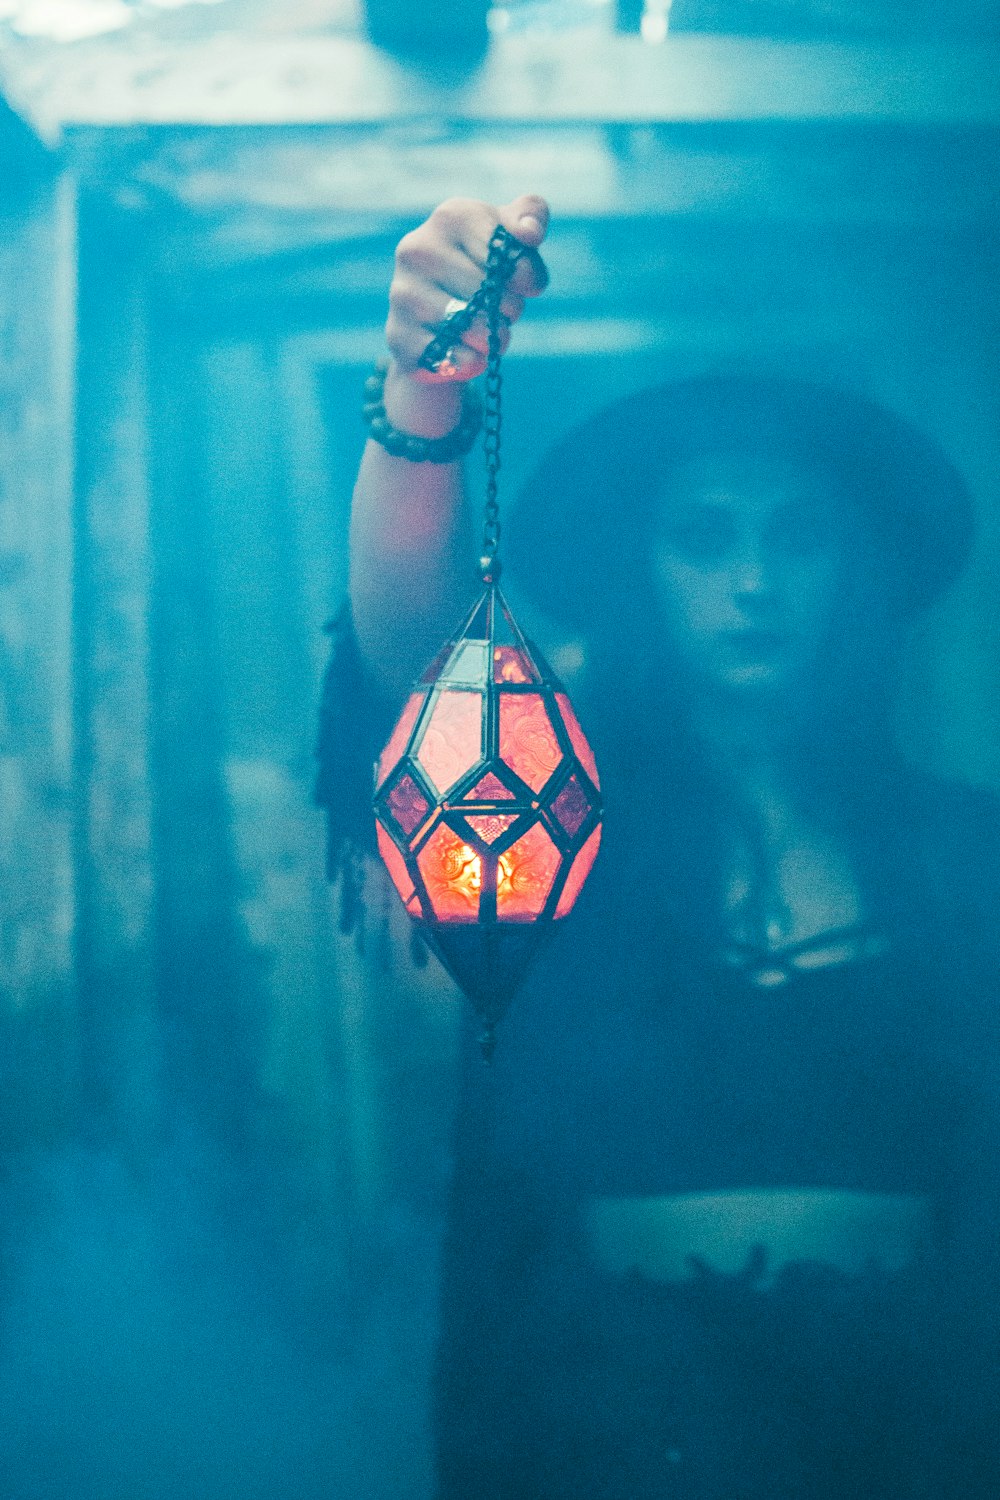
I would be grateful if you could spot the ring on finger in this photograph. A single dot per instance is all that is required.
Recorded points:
(447, 366)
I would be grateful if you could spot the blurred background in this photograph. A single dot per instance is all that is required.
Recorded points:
(224, 1127)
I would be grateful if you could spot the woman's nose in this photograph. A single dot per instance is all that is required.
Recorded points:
(754, 576)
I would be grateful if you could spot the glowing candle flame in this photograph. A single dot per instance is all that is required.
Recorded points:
(463, 870)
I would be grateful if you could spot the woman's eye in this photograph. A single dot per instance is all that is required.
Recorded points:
(702, 536)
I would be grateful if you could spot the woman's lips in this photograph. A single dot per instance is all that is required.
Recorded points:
(755, 645)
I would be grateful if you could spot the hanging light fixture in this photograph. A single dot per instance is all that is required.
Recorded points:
(487, 795)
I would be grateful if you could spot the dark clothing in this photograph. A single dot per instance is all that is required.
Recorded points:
(626, 1070)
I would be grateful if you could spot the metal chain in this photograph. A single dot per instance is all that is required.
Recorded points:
(503, 255)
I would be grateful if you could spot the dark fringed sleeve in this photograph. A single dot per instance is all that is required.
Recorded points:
(354, 723)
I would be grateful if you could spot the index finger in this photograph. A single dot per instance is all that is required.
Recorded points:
(468, 225)
(527, 219)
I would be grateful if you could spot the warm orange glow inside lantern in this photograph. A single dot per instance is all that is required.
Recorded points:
(487, 804)
(487, 798)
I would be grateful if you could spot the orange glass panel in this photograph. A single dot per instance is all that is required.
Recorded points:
(528, 742)
(525, 875)
(394, 863)
(489, 789)
(400, 737)
(575, 880)
(578, 739)
(408, 804)
(453, 875)
(490, 826)
(453, 740)
(510, 665)
(572, 806)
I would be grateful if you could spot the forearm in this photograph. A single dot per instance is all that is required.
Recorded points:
(411, 546)
(412, 552)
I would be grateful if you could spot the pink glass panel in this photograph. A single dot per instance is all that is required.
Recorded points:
(395, 864)
(528, 742)
(408, 804)
(572, 806)
(510, 665)
(452, 743)
(400, 737)
(525, 875)
(576, 879)
(490, 826)
(490, 788)
(578, 739)
(453, 875)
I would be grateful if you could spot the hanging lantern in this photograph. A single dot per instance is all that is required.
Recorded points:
(487, 805)
(487, 796)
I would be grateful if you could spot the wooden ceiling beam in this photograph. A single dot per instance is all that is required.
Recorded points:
(532, 79)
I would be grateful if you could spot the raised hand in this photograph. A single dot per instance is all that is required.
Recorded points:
(440, 265)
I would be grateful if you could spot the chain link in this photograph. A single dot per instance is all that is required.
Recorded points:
(503, 255)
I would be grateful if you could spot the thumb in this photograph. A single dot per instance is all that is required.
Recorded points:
(527, 219)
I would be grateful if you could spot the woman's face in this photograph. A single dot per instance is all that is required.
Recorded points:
(748, 562)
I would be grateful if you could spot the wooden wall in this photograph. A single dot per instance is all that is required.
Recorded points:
(39, 1019)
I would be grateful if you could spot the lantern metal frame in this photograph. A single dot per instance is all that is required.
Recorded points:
(487, 952)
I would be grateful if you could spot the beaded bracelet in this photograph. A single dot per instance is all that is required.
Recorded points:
(419, 450)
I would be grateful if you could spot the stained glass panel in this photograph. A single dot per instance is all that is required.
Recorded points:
(528, 742)
(489, 826)
(400, 737)
(478, 628)
(572, 806)
(453, 740)
(394, 863)
(453, 875)
(525, 875)
(408, 804)
(511, 665)
(433, 671)
(582, 866)
(578, 739)
(468, 664)
(489, 789)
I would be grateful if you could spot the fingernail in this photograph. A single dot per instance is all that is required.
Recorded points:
(529, 224)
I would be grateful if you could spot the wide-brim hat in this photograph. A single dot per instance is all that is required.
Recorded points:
(581, 528)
